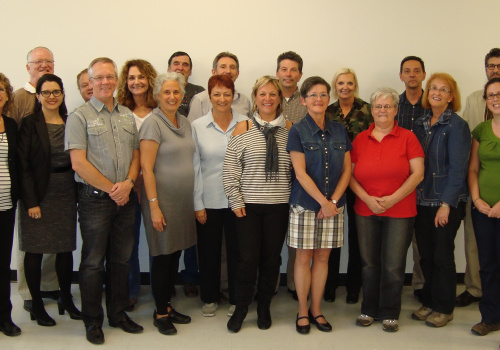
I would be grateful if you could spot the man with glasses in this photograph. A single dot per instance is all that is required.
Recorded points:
(412, 74)
(103, 143)
(475, 112)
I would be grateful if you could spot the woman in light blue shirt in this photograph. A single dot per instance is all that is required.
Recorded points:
(211, 134)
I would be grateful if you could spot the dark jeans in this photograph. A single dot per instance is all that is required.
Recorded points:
(134, 276)
(163, 272)
(261, 234)
(190, 272)
(383, 243)
(209, 253)
(436, 246)
(487, 231)
(353, 282)
(107, 234)
(7, 219)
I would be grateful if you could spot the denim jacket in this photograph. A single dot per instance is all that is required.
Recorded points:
(446, 146)
(324, 151)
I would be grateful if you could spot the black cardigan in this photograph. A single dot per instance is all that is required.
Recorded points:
(13, 160)
(34, 154)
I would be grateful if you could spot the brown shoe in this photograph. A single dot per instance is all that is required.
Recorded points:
(421, 313)
(484, 328)
(190, 290)
(465, 299)
(437, 319)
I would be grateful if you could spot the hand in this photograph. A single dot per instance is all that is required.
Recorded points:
(328, 209)
(240, 212)
(120, 192)
(158, 219)
(482, 206)
(35, 213)
(495, 211)
(375, 204)
(387, 202)
(201, 216)
(442, 216)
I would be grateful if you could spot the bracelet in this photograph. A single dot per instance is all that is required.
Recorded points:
(152, 200)
(444, 205)
(131, 181)
(474, 201)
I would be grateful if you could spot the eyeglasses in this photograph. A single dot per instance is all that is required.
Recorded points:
(100, 78)
(380, 107)
(40, 62)
(492, 66)
(492, 96)
(441, 90)
(46, 93)
(316, 96)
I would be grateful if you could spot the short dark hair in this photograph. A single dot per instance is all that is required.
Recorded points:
(63, 111)
(180, 53)
(290, 55)
(412, 58)
(312, 81)
(491, 81)
(85, 70)
(225, 54)
(495, 52)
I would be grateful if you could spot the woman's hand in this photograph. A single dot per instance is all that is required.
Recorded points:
(35, 213)
(387, 202)
(201, 216)
(158, 219)
(442, 216)
(375, 204)
(240, 212)
(328, 209)
(482, 206)
(495, 211)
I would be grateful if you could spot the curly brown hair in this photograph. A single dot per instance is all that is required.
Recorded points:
(9, 90)
(124, 95)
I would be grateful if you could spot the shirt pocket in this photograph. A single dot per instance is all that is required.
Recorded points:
(439, 183)
(312, 152)
(97, 136)
(128, 134)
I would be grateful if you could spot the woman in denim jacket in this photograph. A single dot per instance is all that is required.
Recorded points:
(441, 196)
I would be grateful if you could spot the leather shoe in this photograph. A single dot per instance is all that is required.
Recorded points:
(324, 327)
(352, 298)
(264, 317)
(236, 321)
(165, 326)
(465, 299)
(94, 334)
(127, 325)
(177, 317)
(9, 328)
(302, 329)
(190, 290)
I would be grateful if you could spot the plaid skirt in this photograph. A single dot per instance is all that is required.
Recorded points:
(305, 231)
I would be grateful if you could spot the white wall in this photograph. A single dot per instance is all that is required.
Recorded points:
(370, 36)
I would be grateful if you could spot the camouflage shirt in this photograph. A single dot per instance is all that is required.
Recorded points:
(358, 119)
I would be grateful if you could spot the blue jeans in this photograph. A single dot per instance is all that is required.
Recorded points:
(107, 234)
(487, 232)
(383, 244)
(134, 276)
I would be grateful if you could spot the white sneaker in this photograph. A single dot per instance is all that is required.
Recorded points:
(209, 309)
(230, 311)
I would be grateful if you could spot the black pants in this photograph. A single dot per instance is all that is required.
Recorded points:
(219, 221)
(261, 234)
(353, 282)
(7, 219)
(437, 256)
(163, 272)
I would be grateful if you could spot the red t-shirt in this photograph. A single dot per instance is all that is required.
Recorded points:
(382, 167)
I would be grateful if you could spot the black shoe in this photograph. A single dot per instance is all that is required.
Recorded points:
(352, 298)
(127, 325)
(236, 321)
(28, 305)
(293, 293)
(419, 294)
(465, 299)
(329, 295)
(53, 294)
(41, 316)
(263, 317)
(177, 317)
(302, 329)
(324, 327)
(9, 328)
(165, 325)
(70, 307)
(94, 334)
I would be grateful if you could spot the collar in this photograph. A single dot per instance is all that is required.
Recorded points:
(99, 105)
(210, 120)
(314, 128)
(30, 88)
(295, 95)
(404, 99)
(443, 118)
(394, 132)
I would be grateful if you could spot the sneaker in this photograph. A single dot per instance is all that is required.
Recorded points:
(209, 309)
(484, 328)
(437, 319)
(364, 320)
(230, 311)
(390, 325)
(421, 313)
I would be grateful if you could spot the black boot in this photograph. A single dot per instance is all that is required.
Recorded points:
(235, 322)
(41, 316)
(264, 316)
(65, 303)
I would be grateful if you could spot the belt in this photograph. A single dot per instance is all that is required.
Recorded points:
(61, 169)
(92, 191)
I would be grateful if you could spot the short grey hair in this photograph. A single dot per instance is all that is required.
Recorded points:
(163, 78)
(385, 92)
(38, 48)
(101, 60)
(339, 73)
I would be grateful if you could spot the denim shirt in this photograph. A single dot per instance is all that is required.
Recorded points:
(446, 146)
(324, 151)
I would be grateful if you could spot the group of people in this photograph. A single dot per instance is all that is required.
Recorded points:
(212, 174)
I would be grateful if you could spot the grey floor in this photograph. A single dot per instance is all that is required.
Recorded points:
(211, 333)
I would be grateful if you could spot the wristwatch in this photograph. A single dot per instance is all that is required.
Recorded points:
(334, 201)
